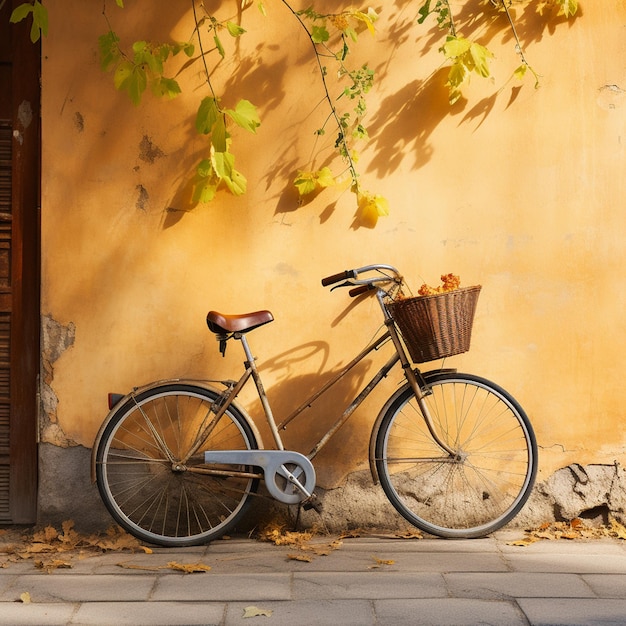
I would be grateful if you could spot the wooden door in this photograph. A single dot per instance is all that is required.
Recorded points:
(19, 269)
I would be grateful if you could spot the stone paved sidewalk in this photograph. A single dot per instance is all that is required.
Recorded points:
(369, 580)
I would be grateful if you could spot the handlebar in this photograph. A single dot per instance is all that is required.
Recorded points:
(385, 274)
(335, 278)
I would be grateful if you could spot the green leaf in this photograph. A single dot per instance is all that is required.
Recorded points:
(40, 17)
(21, 12)
(136, 85)
(262, 9)
(305, 183)
(185, 46)
(120, 3)
(245, 115)
(218, 45)
(205, 168)
(319, 34)
(480, 56)
(218, 134)
(234, 29)
(455, 47)
(166, 87)
(224, 164)
(208, 112)
(122, 74)
(204, 191)
(325, 177)
(520, 72)
(109, 50)
(568, 7)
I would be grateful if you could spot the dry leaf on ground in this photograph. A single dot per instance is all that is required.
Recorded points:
(45, 545)
(572, 530)
(254, 611)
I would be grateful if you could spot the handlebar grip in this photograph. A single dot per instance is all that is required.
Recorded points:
(357, 291)
(335, 278)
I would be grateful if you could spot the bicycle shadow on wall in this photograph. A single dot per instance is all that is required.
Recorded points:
(292, 389)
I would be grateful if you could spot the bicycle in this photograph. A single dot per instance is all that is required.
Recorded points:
(177, 462)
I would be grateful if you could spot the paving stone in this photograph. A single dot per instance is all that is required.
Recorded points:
(227, 588)
(150, 613)
(607, 585)
(311, 613)
(508, 585)
(581, 563)
(80, 588)
(18, 614)
(572, 612)
(367, 585)
(449, 611)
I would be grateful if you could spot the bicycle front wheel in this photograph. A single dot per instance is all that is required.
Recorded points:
(147, 482)
(491, 474)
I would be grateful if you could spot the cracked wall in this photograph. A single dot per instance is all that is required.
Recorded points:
(56, 339)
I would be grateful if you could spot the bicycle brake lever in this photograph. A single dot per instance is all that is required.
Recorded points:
(346, 284)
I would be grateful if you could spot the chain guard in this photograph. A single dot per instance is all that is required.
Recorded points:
(289, 476)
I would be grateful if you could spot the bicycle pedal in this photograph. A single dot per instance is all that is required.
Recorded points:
(312, 503)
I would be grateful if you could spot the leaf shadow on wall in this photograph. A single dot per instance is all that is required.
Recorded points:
(405, 120)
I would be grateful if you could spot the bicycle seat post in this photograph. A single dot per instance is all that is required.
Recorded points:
(251, 365)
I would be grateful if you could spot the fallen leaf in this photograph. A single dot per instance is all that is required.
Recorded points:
(380, 562)
(253, 611)
(617, 529)
(189, 568)
(526, 541)
(410, 534)
(25, 597)
(53, 564)
(300, 557)
(148, 568)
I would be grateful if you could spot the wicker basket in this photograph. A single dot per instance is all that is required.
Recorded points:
(436, 326)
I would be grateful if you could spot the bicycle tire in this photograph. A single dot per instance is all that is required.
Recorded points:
(496, 465)
(137, 476)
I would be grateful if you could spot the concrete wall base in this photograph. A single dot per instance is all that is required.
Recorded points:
(591, 492)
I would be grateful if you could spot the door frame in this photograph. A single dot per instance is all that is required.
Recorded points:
(25, 273)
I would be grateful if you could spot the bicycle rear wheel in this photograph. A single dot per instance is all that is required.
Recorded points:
(490, 477)
(149, 486)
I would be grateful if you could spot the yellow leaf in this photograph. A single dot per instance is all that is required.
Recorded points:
(253, 611)
(523, 542)
(617, 529)
(383, 561)
(371, 207)
(300, 557)
(189, 568)
(25, 597)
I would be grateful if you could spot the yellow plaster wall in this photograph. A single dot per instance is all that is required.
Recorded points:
(519, 190)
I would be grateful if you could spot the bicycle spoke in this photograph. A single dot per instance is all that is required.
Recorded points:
(485, 482)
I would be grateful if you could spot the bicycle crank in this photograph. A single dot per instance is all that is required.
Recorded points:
(289, 476)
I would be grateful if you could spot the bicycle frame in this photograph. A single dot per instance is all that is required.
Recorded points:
(251, 371)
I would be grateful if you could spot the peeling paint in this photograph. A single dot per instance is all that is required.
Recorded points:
(611, 97)
(56, 339)
(25, 114)
(142, 198)
(148, 152)
(79, 121)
